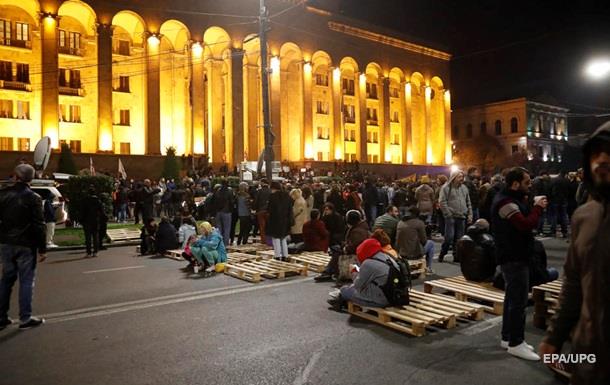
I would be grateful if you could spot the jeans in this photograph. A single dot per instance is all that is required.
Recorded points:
(371, 215)
(454, 230)
(122, 215)
(544, 216)
(429, 253)
(516, 280)
(280, 247)
(559, 211)
(17, 261)
(223, 221)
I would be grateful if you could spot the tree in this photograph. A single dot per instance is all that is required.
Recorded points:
(76, 191)
(484, 152)
(66, 161)
(171, 169)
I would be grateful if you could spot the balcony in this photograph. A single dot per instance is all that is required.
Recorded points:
(121, 89)
(70, 51)
(15, 85)
(71, 91)
(17, 43)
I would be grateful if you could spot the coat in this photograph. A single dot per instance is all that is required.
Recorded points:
(424, 195)
(411, 238)
(315, 236)
(212, 242)
(280, 214)
(455, 200)
(299, 213)
(355, 236)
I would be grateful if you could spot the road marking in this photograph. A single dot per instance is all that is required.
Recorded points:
(481, 326)
(113, 269)
(304, 375)
(160, 301)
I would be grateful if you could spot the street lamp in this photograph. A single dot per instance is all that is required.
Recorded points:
(598, 69)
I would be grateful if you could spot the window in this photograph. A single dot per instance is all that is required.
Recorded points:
(371, 90)
(540, 151)
(322, 80)
(23, 72)
(75, 79)
(514, 148)
(22, 35)
(320, 156)
(456, 132)
(6, 70)
(75, 114)
(6, 144)
(372, 137)
(396, 139)
(23, 144)
(394, 92)
(514, 126)
(123, 84)
(371, 116)
(395, 117)
(75, 146)
(350, 113)
(322, 107)
(121, 47)
(469, 130)
(348, 86)
(372, 158)
(69, 113)
(322, 132)
(5, 32)
(498, 126)
(6, 108)
(69, 42)
(125, 148)
(483, 128)
(124, 118)
(23, 109)
(349, 135)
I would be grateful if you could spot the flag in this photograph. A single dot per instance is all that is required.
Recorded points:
(122, 171)
(91, 168)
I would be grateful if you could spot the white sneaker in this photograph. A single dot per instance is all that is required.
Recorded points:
(504, 345)
(52, 245)
(522, 351)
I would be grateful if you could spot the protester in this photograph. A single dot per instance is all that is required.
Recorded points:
(148, 194)
(560, 192)
(385, 242)
(584, 302)
(370, 199)
(165, 238)
(455, 205)
(244, 201)
(280, 218)
(49, 219)
(22, 238)
(477, 253)
(315, 235)
(424, 195)
(411, 235)
(223, 206)
(209, 249)
(334, 223)
(299, 212)
(513, 222)
(261, 204)
(92, 213)
(472, 183)
(147, 237)
(187, 229)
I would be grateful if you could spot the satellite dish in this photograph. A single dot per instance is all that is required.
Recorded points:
(42, 153)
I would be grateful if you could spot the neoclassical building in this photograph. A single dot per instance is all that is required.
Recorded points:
(135, 77)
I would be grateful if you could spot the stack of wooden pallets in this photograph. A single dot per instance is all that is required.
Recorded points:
(491, 298)
(424, 310)
(418, 267)
(312, 260)
(255, 270)
(248, 249)
(546, 301)
(123, 234)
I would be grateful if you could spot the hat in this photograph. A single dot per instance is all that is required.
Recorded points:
(367, 249)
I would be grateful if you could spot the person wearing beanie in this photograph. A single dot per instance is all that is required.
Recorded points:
(368, 278)
(454, 200)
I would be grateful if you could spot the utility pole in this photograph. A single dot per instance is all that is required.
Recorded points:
(267, 154)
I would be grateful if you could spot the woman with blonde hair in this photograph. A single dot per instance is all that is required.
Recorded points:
(299, 215)
(209, 249)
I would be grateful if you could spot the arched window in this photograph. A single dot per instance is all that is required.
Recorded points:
(514, 126)
(483, 127)
(469, 131)
(498, 126)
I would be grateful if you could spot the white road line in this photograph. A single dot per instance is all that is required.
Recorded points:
(113, 269)
(75, 315)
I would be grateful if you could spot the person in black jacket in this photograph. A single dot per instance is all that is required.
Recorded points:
(334, 224)
(370, 199)
(560, 190)
(165, 238)
(92, 212)
(280, 220)
(22, 236)
(476, 252)
(148, 199)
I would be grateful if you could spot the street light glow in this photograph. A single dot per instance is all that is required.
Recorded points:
(598, 69)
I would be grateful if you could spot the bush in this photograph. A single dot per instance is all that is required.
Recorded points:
(66, 161)
(171, 169)
(76, 191)
(233, 181)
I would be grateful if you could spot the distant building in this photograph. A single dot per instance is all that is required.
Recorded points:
(519, 124)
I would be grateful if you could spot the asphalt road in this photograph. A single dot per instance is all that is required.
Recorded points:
(122, 319)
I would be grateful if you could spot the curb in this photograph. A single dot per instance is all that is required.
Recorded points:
(108, 245)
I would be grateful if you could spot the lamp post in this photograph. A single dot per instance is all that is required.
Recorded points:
(267, 153)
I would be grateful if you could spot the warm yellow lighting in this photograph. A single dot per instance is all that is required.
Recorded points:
(388, 156)
(275, 65)
(598, 69)
(409, 156)
(447, 96)
(153, 40)
(307, 67)
(429, 154)
(308, 151)
(448, 155)
(337, 74)
(362, 79)
(338, 154)
(197, 49)
(408, 88)
(51, 132)
(105, 142)
(428, 92)
(198, 147)
(454, 168)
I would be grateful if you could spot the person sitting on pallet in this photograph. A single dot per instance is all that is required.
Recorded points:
(368, 278)
(166, 238)
(209, 249)
(412, 240)
(315, 235)
(386, 244)
(147, 237)
(187, 229)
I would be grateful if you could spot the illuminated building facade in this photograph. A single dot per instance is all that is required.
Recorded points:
(136, 77)
(519, 124)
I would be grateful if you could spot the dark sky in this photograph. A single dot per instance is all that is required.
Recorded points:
(506, 49)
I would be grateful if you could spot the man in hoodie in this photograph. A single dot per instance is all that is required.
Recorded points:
(584, 302)
(472, 182)
(454, 199)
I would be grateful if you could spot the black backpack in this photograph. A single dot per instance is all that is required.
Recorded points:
(396, 288)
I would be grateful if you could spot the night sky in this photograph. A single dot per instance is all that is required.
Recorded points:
(507, 49)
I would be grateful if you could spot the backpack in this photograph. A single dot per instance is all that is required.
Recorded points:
(396, 288)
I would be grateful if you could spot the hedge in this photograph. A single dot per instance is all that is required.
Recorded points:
(76, 191)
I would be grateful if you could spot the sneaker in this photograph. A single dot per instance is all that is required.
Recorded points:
(323, 277)
(31, 323)
(51, 246)
(504, 345)
(4, 323)
(210, 269)
(524, 352)
(337, 303)
(429, 271)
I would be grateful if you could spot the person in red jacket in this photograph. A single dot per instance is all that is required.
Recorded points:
(315, 235)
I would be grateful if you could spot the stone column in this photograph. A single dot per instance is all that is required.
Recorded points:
(215, 99)
(153, 96)
(198, 99)
(251, 108)
(237, 104)
(405, 122)
(362, 115)
(336, 142)
(50, 62)
(104, 87)
(275, 96)
(308, 151)
(385, 147)
(448, 142)
(428, 110)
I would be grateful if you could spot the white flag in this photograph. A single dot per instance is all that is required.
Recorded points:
(122, 171)
(91, 168)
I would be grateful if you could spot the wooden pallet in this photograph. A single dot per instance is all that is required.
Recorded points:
(424, 310)
(254, 271)
(175, 254)
(491, 298)
(418, 267)
(312, 260)
(546, 302)
(123, 234)
(248, 249)
(266, 254)
(235, 258)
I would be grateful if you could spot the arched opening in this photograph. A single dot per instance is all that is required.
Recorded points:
(418, 118)
(397, 117)
(347, 142)
(291, 103)
(253, 110)
(437, 121)
(374, 113)
(514, 125)
(322, 101)
(175, 78)
(129, 83)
